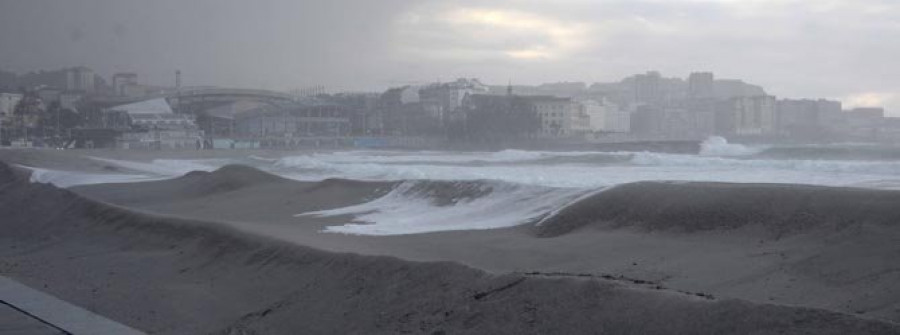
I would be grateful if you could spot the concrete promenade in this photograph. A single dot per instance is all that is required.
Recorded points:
(24, 310)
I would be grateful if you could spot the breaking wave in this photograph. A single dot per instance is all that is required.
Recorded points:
(65, 179)
(719, 146)
(153, 254)
(593, 169)
(415, 207)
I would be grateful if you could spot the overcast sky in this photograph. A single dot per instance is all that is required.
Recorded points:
(843, 49)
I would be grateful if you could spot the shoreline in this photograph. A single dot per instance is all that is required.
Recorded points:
(838, 266)
(239, 282)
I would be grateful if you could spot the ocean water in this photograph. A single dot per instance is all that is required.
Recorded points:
(516, 186)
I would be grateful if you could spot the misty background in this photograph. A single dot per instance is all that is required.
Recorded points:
(831, 48)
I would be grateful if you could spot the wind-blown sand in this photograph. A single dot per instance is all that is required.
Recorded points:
(783, 244)
(779, 209)
(832, 248)
(176, 276)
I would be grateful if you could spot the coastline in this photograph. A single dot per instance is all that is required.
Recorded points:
(180, 269)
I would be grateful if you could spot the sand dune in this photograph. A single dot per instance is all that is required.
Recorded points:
(175, 276)
(845, 263)
(688, 207)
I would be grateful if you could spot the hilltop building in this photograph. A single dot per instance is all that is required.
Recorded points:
(80, 79)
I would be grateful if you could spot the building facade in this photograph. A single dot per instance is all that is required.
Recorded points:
(754, 116)
(560, 117)
(294, 125)
(606, 117)
(701, 85)
(80, 79)
(8, 102)
(805, 119)
(152, 125)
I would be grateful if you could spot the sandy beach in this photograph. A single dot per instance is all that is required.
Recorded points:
(649, 257)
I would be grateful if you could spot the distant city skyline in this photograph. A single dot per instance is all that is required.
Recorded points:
(794, 49)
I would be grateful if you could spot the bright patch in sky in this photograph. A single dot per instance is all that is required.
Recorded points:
(493, 33)
(869, 99)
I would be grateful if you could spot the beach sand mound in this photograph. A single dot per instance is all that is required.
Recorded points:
(193, 185)
(173, 276)
(225, 179)
(703, 206)
(249, 194)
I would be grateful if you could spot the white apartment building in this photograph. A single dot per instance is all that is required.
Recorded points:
(606, 116)
(560, 117)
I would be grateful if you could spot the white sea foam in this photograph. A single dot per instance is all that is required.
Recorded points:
(523, 185)
(403, 212)
(719, 146)
(640, 166)
(407, 157)
(64, 179)
(572, 170)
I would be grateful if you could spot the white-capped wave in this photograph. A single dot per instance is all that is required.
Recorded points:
(538, 168)
(65, 179)
(403, 212)
(640, 167)
(420, 157)
(719, 146)
(762, 166)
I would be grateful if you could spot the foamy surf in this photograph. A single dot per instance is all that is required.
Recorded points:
(734, 163)
(65, 179)
(415, 207)
(719, 146)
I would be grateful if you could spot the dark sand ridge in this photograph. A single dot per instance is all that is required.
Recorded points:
(780, 209)
(832, 248)
(176, 276)
(79, 160)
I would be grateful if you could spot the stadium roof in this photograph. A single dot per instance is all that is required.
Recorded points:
(153, 106)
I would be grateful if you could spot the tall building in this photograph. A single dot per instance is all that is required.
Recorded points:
(809, 119)
(80, 79)
(606, 117)
(560, 117)
(702, 113)
(647, 122)
(701, 85)
(647, 88)
(754, 116)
